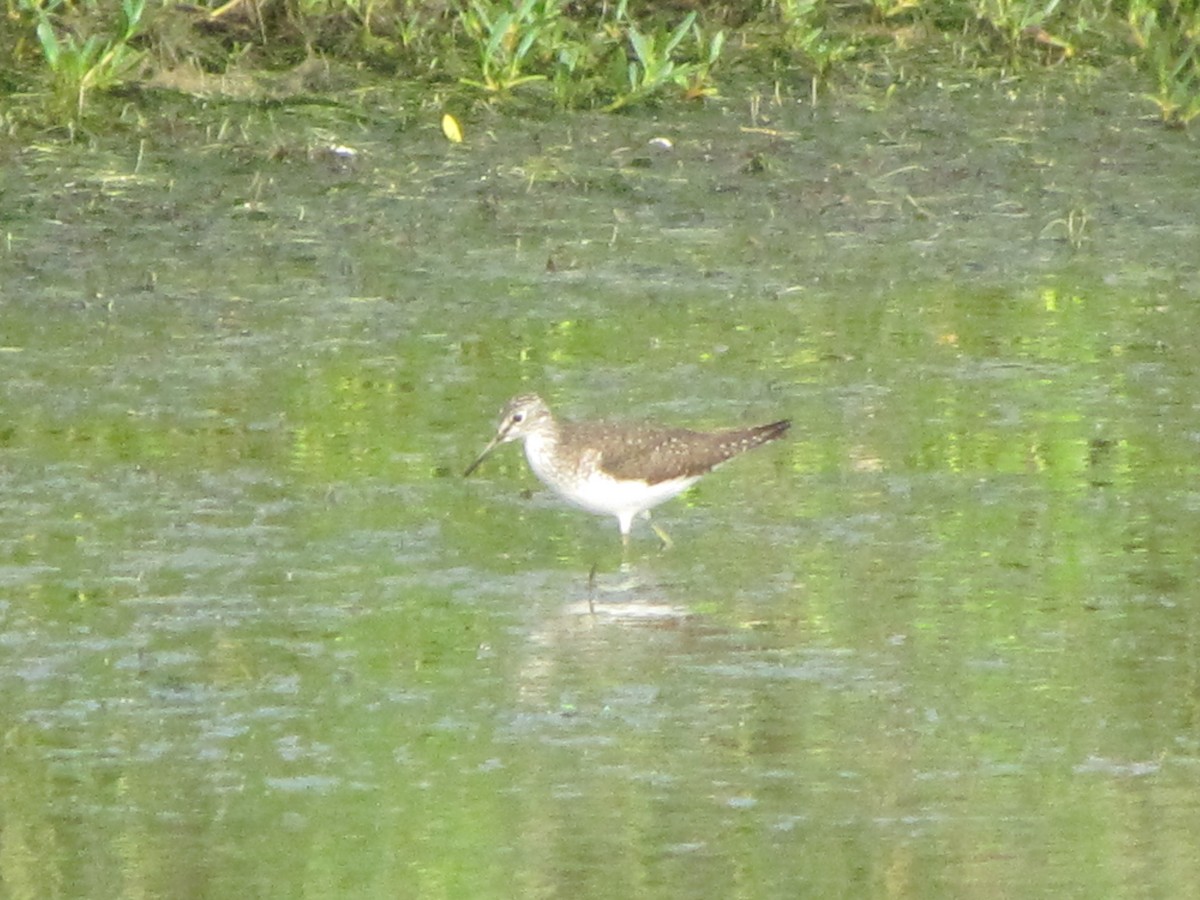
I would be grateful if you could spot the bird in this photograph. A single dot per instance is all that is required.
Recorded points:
(617, 468)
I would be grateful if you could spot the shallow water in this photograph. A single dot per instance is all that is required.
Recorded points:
(258, 637)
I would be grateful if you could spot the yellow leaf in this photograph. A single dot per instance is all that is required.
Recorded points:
(451, 129)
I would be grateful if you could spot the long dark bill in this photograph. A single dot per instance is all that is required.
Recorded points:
(492, 445)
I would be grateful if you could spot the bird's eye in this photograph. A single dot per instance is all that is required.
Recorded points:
(517, 417)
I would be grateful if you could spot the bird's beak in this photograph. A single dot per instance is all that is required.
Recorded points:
(492, 445)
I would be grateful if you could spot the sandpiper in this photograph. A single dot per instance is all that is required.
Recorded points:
(618, 469)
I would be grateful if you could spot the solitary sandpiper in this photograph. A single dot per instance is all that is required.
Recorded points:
(618, 469)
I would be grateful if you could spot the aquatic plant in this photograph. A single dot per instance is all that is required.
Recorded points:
(1073, 227)
(1016, 21)
(804, 33)
(888, 9)
(614, 61)
(653, 65)
(79, 64)
(581, 55)
(505, 36)
(1170, 48)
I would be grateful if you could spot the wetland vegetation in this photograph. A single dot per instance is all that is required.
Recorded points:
(86, 65)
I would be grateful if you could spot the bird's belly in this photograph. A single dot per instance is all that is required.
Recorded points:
(600, 493)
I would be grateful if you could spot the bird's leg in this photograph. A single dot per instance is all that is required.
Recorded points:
(667, 543)
(592, 590)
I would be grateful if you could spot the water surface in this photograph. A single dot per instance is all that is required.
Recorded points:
(260, 639)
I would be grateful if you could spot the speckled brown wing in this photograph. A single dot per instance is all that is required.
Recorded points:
(653, 454)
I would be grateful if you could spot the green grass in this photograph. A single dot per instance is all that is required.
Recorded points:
(79, 64)
(63, 55)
